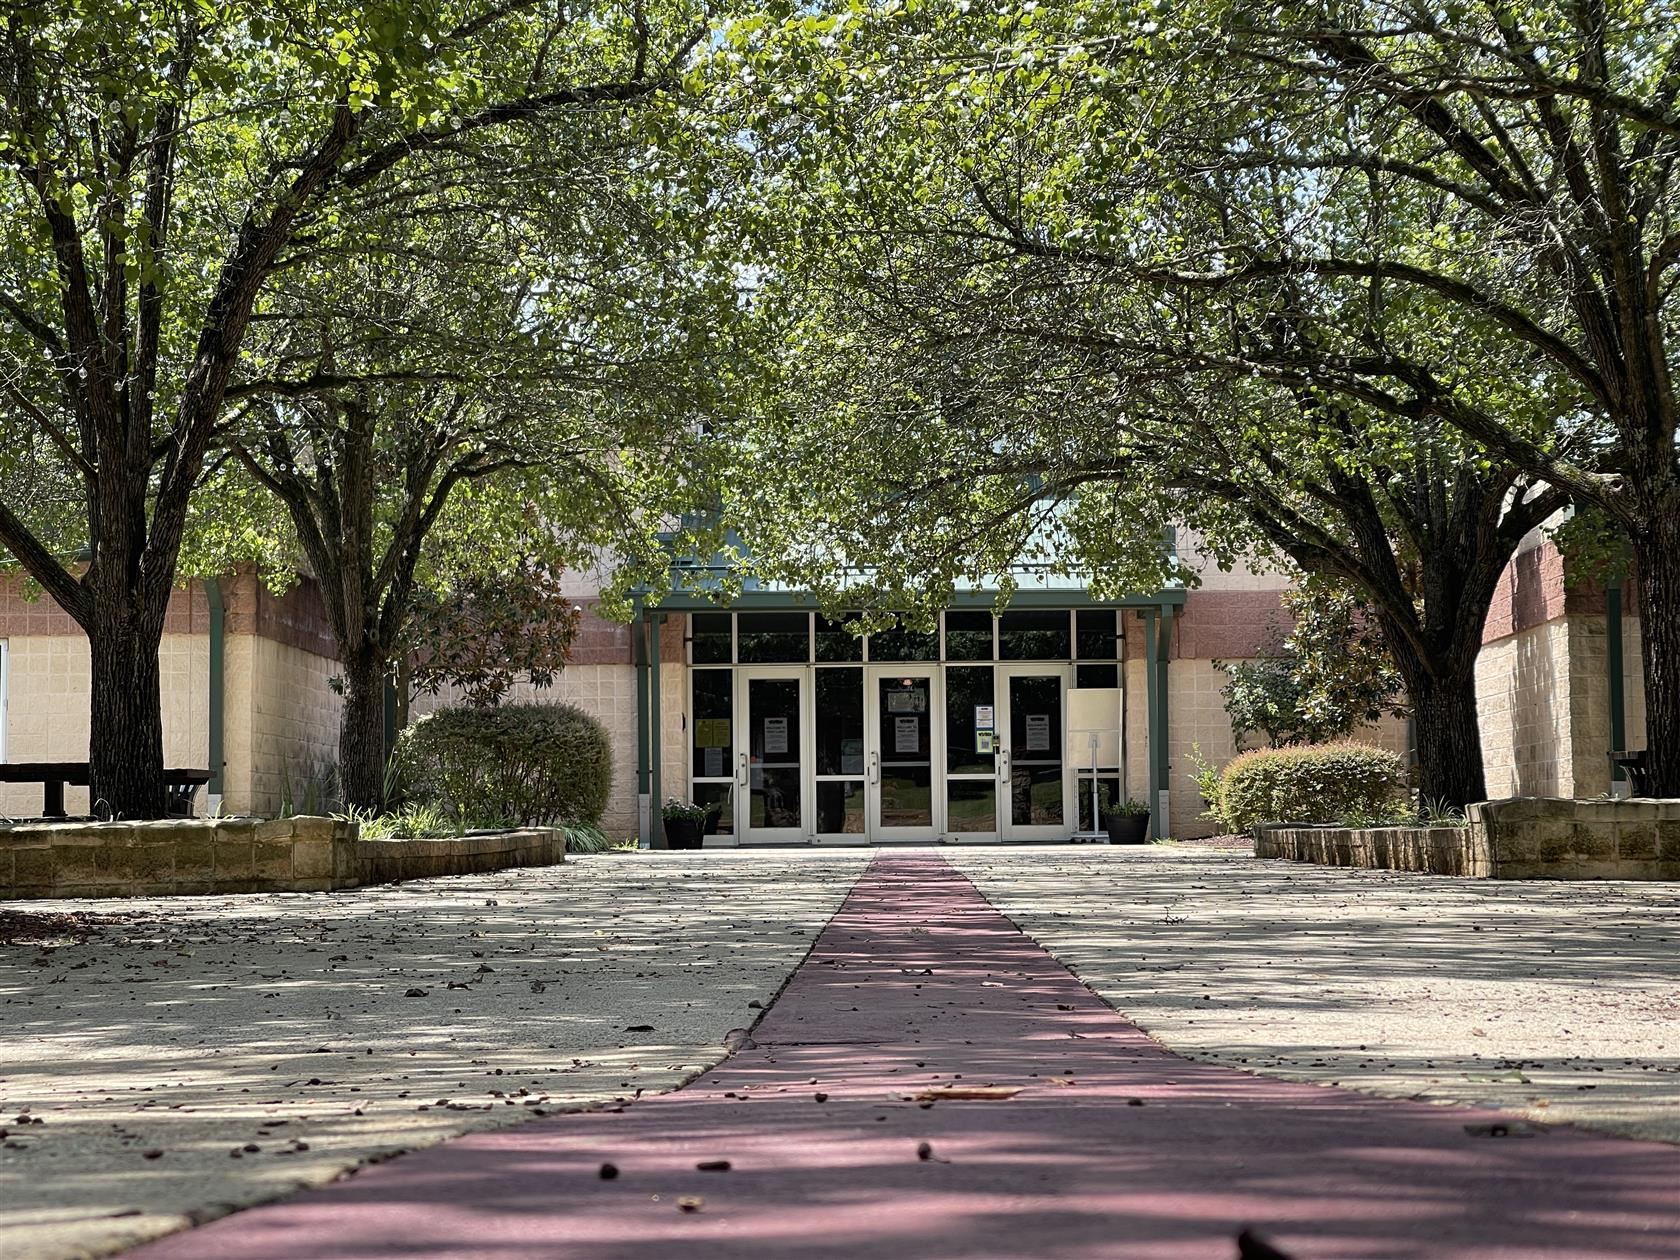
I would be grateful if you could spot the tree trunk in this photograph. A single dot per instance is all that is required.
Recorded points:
(125, 744)
(361, 737)
(1449, 737)
(1657, 555)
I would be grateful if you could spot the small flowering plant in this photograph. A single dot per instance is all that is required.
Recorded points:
(685, 811)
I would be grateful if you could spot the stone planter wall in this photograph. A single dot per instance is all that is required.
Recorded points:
(176, 856)
(1433, 850)
(1523, 838)
(1549, 838)
(391, 861)
(180, 857)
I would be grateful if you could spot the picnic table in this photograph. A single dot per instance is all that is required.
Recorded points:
(181, 784)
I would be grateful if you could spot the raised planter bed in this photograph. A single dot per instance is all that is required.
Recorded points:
(179, 857)
(1522, 838)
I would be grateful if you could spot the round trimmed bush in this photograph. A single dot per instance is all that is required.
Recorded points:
(1313, 783)
(528, 764)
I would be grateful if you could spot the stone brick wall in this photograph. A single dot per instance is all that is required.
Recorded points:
(392, 861)
(1550, 838)
(175, 857)
(1543, 681)
(1525, 838)
(242, 855)
(280, 726)
(46, 711)
(1429, 850)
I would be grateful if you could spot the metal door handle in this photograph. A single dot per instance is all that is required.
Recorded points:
(874, 767)
(741, 776)
(1003, 764)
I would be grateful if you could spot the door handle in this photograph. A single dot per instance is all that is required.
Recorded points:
(741, 775)
(1003, 764)
(874, 767)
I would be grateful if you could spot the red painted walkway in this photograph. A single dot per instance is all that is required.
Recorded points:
(1113, 1148)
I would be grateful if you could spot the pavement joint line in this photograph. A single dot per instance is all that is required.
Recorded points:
(1094, 1140)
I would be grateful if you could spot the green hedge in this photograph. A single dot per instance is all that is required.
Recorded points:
(1314, 783)
(531, 764)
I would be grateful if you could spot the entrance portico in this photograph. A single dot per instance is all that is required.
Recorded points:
(982, 729)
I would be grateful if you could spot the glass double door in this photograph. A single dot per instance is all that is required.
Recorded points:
(1006, 772)
(901, 753)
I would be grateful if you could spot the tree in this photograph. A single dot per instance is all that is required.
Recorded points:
(989, 359)
(167, 160)
(1483, 196)
(1327, 675)
(533, 355)
(485, 633)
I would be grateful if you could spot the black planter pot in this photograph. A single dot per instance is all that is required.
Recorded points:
(683, 833)
(1127, 828)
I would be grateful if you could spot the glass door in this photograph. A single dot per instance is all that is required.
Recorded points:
(1032, 770)
(770, 760)
(839, 783)
(971, 753)
(901, 753)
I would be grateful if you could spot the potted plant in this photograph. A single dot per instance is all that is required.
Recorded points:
(685, 823)
(1127, 821)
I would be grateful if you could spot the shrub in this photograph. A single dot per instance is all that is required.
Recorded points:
(532, 764)
(1317, 783)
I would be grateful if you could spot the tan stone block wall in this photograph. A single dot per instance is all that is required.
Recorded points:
(47, 709)
(280, 731)
(1523, 686)
(1544, 703)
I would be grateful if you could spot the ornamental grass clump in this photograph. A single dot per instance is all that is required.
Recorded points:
(532, 764)
(1315, 783)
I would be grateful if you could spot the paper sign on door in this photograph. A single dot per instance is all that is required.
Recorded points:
(1038, 732)
(984, 742)
(907, 734)
(775, 735)
(985, 717)
(714, 763)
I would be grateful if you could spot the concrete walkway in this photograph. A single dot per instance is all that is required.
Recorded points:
(932, 1084)
(175, 1059)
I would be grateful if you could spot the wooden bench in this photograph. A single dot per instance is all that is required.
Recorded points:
(181, 785)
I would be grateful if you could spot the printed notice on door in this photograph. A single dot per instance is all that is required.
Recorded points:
(907, 734)
(775, 735)
(1038, 732)
(714, 763)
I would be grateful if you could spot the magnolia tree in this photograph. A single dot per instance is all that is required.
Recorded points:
(166, 163)
(1326, 675)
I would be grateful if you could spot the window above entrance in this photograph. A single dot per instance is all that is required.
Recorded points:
(964, 634)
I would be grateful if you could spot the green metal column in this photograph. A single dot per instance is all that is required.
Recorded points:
(656, 791)
(1614, 665)
(638, 657)
(1157, 637)
(218, 686)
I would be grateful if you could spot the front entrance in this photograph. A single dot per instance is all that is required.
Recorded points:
(801, 733)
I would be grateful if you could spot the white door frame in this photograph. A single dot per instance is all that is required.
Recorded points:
(745, 833)
(1009, 831)
(874, 754)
